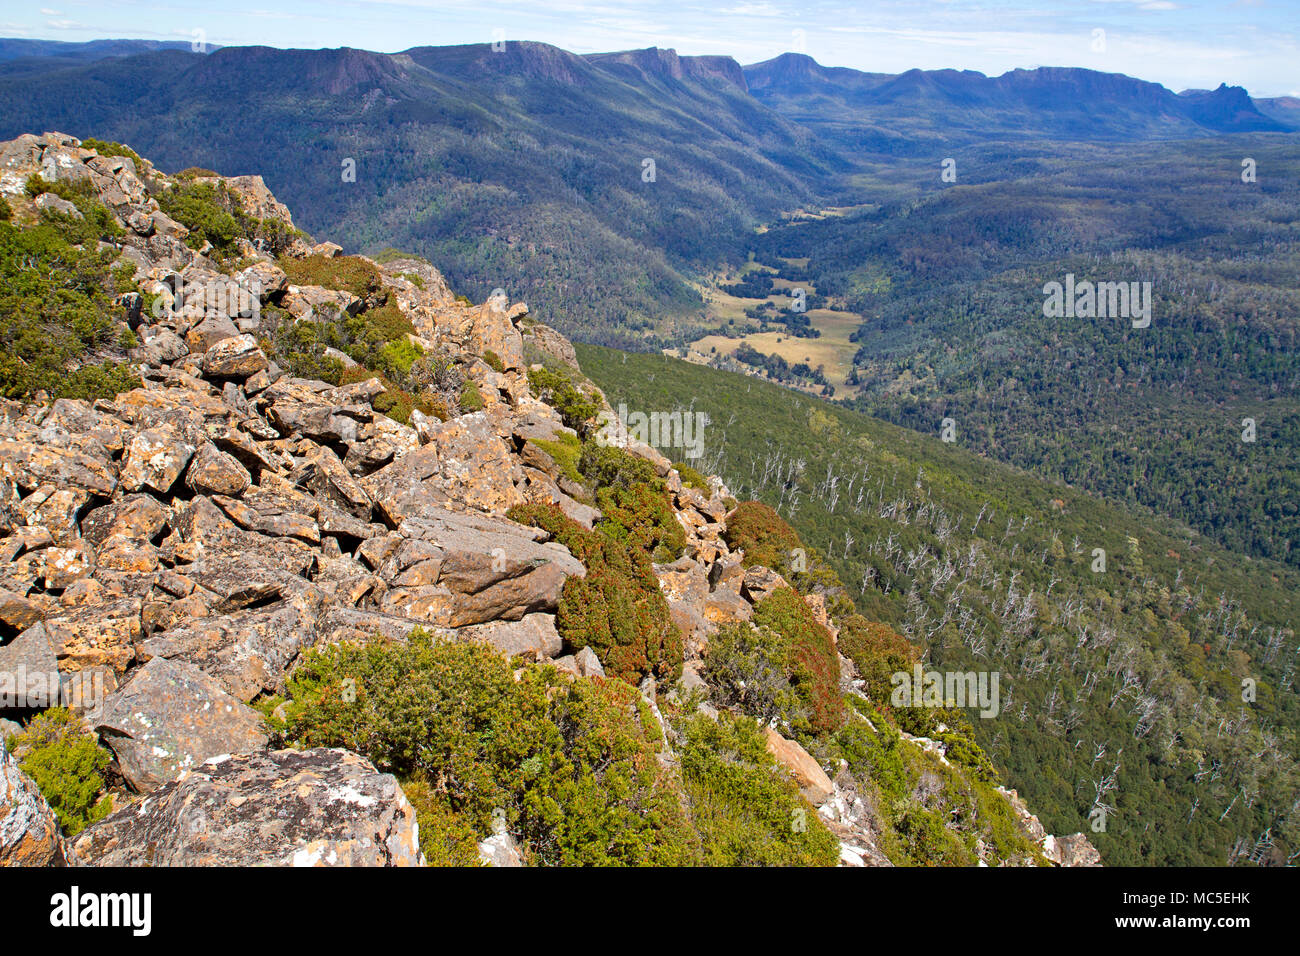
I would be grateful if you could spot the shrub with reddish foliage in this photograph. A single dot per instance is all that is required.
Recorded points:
(762, 534)
(811, 658)
(878, 651)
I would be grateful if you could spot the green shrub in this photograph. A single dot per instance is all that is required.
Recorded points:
(67, 766)
(471, 400)
(210, 211)
(565, 763)
(57, 307)
(928, 842)
(96, 223)
(214, 213)
(747, 669)
(746, 809)
(494, 361)
(763, 535)
(576, 404)
(692, 478)
(605, 466)
(878, 652)
(618, 609)
(446, 838)
(812, 662)
(106, 148)
(643, 518)
(6, 211)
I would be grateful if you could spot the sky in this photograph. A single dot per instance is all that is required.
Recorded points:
(1183, 44)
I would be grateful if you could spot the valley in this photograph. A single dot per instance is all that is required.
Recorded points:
(271, 458)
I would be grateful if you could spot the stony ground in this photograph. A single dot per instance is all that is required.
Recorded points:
(167, 556)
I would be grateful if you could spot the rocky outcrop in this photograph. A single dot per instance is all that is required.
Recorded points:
(1073, 850)
(323, 807)
(168, 556)
(813, 782)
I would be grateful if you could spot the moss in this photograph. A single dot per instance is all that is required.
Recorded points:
(564, 450)
(67, 766)
(350, 274)
(390, 254)
(692, 478)
(106, 148)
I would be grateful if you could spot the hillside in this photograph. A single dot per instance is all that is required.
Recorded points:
(921, 111)
(1155, 686)
(949, 286)
(523, 169)
(307, 560)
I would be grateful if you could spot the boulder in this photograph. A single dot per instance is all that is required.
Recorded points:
(155, 459)
(30, 465)
(533, 636)
(1077, 850)
(321, 807)
(214, 472)
(248, 651)
(29, 671)
(96, 634)
(464, 461)
(235, 358)
(169, 718)
(759, 582)
(813, 782)
(139, 516)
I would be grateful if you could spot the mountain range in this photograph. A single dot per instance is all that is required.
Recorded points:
(526, 168)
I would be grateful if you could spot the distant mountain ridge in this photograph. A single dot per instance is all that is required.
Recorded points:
(604, 188)
(1047, 102)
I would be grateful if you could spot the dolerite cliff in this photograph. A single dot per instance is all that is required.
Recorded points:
(166, 557)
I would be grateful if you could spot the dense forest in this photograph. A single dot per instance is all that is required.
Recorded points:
(1194, 416)
(1126, 643)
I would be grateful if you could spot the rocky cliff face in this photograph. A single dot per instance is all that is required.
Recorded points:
(167, 556)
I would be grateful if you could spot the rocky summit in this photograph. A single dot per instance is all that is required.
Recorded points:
(189, 568)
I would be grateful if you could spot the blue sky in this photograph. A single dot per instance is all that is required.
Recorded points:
(1181, 43)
